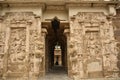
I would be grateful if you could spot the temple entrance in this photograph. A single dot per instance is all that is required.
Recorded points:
(56, 48)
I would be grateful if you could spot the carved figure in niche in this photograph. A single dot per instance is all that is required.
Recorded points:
(39, 51)
(73, 60)
(79, 46)
(1, 65)
(21, 56)
(91, 44)
(12, 57)
(114, 55)
(36, 50)
(108, 30)
(2, 37)
(41, 61)
(109, 65)
(80, 65)
(31, 67)
(31, 62)
(36, 64)
(32, 41)
(107, 62)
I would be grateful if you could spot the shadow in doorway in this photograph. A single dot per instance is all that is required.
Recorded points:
(56, 50)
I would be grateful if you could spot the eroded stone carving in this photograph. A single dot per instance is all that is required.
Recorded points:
(17, 52)
(73, 60)
(25, 53)
(91, 44)
(2, 45)
(36, 53)
(93, 35)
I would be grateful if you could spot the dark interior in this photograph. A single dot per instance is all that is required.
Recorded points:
(55, 37)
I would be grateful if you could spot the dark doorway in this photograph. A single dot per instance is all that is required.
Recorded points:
(56, 41)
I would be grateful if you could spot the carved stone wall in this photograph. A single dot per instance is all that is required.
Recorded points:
(17, 53)
(23, 55)
(2, 54)
(92, 47)
(116, 21)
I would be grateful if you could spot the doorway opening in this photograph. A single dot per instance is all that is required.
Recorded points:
(56, 48)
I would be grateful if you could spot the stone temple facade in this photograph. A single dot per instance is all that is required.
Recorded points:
(88, 33)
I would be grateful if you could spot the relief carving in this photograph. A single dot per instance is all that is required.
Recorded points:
(36, 52)
(18, 17)
(2, 45)
(90, 17)
(89, 46)
(92, 34)
(17, 52)
(25, 44)
(93, 43)
(73, 60)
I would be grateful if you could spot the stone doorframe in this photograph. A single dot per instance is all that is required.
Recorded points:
(65, 24)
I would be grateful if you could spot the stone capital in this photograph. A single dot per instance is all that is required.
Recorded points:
(44, 31)
(112, 10)
(66, 32)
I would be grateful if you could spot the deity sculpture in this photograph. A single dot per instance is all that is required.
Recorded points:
(80, 65)
(73, 60)
(1, 65)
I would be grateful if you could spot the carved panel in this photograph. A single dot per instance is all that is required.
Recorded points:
(17, 51)
(19, 17)
(93, 53)
(92, 37)
(93, 44)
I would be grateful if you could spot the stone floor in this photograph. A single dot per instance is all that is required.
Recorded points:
(57, 73)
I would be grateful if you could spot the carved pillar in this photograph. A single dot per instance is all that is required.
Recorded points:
(6, 51)
(44, 32)
(36, 50)
(112, 10)
(29, 23)
(2, 48)
(66, 32)
(110, 52)
(102, 44)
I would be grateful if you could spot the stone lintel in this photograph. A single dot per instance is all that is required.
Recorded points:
(61, 5)
(47, 24)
